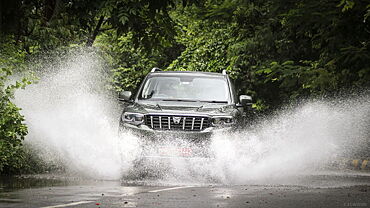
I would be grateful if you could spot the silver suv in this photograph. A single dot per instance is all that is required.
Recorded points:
(191, 103)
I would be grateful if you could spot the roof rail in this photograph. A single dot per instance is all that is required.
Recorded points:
(155, 69)
(224, 72)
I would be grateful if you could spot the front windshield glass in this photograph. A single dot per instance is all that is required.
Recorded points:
(186, 88)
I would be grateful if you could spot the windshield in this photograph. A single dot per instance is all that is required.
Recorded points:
(186, 88)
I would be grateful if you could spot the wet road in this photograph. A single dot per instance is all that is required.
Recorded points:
(323, 189)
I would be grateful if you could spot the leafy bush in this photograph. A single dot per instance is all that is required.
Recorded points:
(12, 127)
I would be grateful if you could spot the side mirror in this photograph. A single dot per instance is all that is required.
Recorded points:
(124, 96)
(245, 100)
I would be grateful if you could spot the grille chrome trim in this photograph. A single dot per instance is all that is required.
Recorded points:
(160, 122)
(186, 122)
(183, 123)
(169, 122)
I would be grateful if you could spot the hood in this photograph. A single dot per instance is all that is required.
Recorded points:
(178, 107)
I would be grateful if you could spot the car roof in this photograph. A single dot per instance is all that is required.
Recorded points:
(186, 73)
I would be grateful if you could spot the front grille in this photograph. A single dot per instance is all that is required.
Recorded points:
(177, 123)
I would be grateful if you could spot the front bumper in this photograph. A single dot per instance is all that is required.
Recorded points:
(154, 142)
(144, 132)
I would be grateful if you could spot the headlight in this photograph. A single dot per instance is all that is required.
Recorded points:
(219, 121)
(133, 118)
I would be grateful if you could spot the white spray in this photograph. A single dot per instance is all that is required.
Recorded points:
(72, 119)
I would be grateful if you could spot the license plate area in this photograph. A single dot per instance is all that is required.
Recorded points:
(175, 151)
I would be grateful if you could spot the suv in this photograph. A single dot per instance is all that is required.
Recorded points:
(183, 105)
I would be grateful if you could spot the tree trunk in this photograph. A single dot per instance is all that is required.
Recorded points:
(91, 40)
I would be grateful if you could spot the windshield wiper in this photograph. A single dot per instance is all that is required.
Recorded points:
(180, 100)
(205, 101)
(213, 101)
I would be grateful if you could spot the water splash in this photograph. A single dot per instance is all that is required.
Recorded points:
(73, 119)
(297, 141)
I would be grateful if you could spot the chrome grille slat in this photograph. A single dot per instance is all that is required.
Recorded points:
(160, 122)
(169, 122)
(186, 122)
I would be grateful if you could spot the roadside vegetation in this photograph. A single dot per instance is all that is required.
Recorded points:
(277, 51)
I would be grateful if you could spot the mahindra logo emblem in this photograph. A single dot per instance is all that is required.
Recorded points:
(176, 120)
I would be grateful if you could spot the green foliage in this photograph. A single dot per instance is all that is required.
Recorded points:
(131, 64)
(12, 133)
(206, 44)
(346, 5)
(60, 23)
(12, 127)
(279, 50)
(275, 51)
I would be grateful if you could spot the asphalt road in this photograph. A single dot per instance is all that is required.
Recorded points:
(325, 189)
